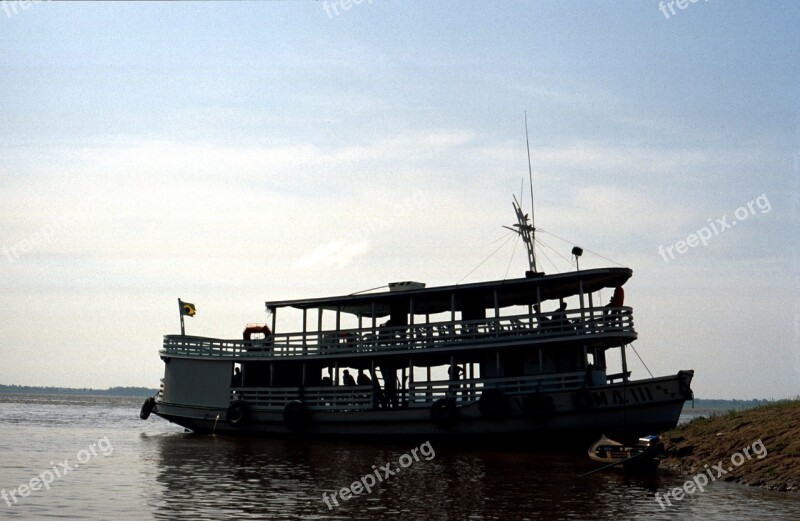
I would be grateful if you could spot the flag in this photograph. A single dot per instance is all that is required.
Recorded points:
(188, 309)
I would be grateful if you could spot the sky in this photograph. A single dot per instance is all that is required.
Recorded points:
(236, 152)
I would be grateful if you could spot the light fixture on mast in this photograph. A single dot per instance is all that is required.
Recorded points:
(577, 251)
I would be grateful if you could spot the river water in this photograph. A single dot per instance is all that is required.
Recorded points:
(99, 461)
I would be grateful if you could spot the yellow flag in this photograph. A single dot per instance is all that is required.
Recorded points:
(188, 309)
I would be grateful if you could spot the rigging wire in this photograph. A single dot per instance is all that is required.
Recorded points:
(370, 289)
(503, 236)
(486, 259)
(513, 252)
(542, 243)
(550, 261)
(642, 361)
(584, 249)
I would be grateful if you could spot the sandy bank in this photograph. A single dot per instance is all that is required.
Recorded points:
(757, 447)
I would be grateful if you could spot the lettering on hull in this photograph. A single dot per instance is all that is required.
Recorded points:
(632, 395)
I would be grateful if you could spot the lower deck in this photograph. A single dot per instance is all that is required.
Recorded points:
(626, 410)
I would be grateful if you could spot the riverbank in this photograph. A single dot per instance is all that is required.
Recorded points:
(757, 447)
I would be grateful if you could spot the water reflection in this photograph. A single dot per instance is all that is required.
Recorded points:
(159, 472)
(229, 478)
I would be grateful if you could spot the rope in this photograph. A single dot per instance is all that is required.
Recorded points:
(584, 249)
(511, 236)
(642, 361)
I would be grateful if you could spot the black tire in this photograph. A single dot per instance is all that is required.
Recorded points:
(147, 408)
(444, 413)
(295, 416)
(493, 404)
(238, 413)
(538, 407)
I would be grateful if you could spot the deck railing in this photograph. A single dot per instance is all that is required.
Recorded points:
(418, 394)
(463, 333)
(352, 398)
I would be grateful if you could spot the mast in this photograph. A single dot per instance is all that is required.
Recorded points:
(530, 174)
(526, 230)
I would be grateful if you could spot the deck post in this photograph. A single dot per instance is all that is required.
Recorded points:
(472, 381)
(274, 320)
(428, 387)
(320, 340)
(374, 327)
(410, 381)
(305, 330)
(624, 364)
(583, 308)
(496, 305)
(411, 335)
(452, 307)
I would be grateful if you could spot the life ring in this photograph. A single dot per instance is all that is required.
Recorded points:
(238, 413)
(493, 404)
(583, 400)
(147, 408)
(444, 413)
(295, 415)
(538, 407)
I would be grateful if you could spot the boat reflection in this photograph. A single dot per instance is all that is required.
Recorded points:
(235, 478)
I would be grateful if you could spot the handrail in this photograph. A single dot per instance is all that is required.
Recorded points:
(418, 394)
(467, 333)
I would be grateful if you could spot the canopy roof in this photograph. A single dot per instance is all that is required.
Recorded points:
(513, 292)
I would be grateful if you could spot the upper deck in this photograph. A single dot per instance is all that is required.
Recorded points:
(431, 343)
(460, 322)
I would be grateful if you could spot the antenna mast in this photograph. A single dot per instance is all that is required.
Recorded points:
(525, 230)
(530, 170)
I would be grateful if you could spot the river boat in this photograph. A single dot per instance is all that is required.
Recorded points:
(512, 359)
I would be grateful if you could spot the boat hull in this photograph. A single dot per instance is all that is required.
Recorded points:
(623, 411)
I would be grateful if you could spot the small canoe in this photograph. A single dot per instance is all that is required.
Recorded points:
(641, 457)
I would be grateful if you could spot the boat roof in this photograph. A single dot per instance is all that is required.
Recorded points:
(510, 292)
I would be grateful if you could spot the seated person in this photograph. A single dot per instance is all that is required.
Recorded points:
(362, 378)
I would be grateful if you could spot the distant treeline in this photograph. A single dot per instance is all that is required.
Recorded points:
(729, 404)
(113, 391)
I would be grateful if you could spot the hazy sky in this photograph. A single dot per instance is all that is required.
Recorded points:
(232, 153)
